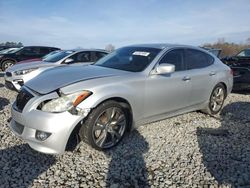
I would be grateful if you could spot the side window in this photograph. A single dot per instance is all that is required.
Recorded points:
(174, 57)
(81, 57)
(99, 55)
(196, 59)
(44, 51)
(30, 51)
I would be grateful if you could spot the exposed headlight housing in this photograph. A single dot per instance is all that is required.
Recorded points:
(25, 71)
(65, 102)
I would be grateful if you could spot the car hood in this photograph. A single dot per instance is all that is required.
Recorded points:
(31, 65)
(58, 77)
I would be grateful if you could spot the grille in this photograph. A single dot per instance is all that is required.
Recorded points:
(18, 128)
(8, 74)
(22, 98)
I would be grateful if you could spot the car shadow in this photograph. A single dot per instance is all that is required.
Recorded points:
(20, 165)
(127, 167)
(3, 102)
(242, 91)
(226, 150)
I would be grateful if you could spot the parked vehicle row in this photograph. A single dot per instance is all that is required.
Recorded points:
(19, 74)
(24, 53)
(131, 86)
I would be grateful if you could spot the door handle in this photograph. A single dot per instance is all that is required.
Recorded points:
(212, 73)
(186, 78)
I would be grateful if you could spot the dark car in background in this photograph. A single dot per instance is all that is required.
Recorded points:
(38, 59)
(24, 53)
(240, 65)
(4, 47)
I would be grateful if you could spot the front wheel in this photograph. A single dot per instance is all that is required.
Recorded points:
(105, 126)
(6, 64)
(216, 100)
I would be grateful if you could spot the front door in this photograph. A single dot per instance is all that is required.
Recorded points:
(170, 92)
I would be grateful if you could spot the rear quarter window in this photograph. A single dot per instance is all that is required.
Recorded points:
(45, 51)
(196, 59)
(99, 55)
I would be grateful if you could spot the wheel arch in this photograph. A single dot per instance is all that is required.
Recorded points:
(73, 138)
(126, 105)
(7, 59)
(225, 87)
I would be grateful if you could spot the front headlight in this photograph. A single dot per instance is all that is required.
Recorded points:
(25, 71)
(65, 102)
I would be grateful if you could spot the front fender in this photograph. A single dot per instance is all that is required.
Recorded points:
(134, 97)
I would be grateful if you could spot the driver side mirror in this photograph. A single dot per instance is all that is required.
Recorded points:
(68, 60)
(164, 68)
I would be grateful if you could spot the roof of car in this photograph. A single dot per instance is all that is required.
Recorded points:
(42, 47)
(89, 49)
(161, 45)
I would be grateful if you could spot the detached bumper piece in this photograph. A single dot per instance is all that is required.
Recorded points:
(10, 86)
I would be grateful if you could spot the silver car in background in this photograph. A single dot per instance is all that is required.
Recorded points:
(133, 85)
(18, 74)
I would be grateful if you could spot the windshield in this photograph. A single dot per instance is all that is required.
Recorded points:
(9, 50)
(57, 56)
(244, 53)
(133, 59)
(51, 53)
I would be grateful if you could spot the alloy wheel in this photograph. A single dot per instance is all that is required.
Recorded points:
(217, 99)
(109, 127)
(7, 64)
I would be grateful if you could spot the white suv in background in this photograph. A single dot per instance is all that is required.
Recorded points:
(18, 74)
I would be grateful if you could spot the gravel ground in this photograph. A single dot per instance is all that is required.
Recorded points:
(191, 150)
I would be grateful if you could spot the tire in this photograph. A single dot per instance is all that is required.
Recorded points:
(216, 100)
(6, 64)
(105, 126)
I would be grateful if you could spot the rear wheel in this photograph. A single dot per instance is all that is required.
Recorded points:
(6, 64)
(216, 100)
(105, 126)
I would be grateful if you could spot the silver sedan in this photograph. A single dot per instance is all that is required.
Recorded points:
(133, 85)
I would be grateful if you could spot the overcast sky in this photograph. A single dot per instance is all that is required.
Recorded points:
(96, 23)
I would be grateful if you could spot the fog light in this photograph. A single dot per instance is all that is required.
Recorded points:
(40, 135)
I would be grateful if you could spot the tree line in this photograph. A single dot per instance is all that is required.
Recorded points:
(11, 44)
(228, 49)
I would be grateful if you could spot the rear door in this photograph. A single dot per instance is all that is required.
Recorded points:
(202, 74)
(28, 53)
(82, 57)
(44, 51)
(99, 55)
